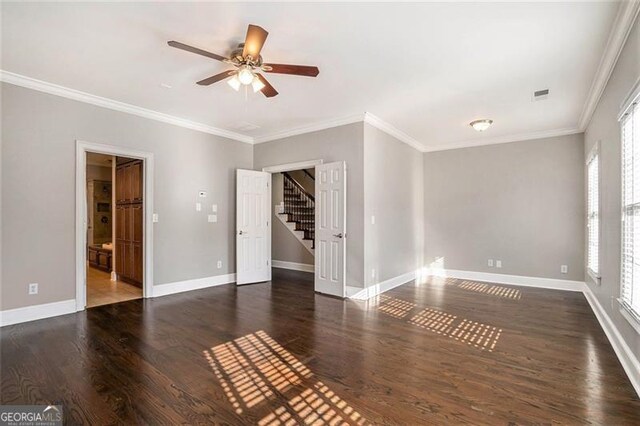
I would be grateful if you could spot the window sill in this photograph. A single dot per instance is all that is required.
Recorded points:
(595, 277)
(630, 317)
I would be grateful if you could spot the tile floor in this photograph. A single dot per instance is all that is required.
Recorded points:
(102, 291)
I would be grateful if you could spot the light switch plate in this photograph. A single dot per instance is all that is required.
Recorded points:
(33, 288)
(155, 218)
(212, 218)
(219, 264)
(373, 220)
(564, 269)
(490, 262)
(198, 207)
(214, 208)
(498, 263)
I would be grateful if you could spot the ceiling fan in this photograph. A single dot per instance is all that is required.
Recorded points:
(247, 61)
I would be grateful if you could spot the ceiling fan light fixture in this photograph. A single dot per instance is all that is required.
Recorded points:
(481, 125)
(234, 82)
(257, 84)
(245, 76)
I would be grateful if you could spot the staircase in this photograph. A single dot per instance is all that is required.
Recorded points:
(298, 212)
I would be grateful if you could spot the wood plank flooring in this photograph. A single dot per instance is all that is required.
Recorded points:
(440, 352)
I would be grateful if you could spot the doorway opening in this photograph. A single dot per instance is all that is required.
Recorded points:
(114, 241)
(293, 217)
(114, 218)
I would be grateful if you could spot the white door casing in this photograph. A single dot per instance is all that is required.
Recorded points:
(331, 230)
(253, 226)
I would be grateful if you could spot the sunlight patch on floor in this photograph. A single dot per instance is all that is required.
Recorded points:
(481, 336)
(256, 373)
(314, 406)
(396, 308)
(492, 290)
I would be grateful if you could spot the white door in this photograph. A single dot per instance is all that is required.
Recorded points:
(253, 227)
(331, 230)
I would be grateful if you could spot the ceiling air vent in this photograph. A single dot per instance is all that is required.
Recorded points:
(540, 95)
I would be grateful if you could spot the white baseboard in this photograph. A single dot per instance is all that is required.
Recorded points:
(196, 284)
(358, 293)
(520, 280)
(36, 312)
(628, 360)
(304, 267)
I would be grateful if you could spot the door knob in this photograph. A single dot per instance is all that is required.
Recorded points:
(338, 235)
(240, 233)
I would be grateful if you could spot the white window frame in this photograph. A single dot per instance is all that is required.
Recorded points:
(594, 156)
(631, 106)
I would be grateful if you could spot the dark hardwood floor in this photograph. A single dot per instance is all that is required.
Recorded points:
(442, 352)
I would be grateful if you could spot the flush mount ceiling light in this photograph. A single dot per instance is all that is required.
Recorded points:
(481, 125)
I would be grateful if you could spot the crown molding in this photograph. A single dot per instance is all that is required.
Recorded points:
(503, 139)
(393, 131)
(367, 117)
(321, 125)
(66, 92)
(627, 13)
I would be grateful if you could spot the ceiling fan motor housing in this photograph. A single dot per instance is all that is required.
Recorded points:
(238, 59)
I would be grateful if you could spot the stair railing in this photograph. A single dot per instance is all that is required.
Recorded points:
(300, 205)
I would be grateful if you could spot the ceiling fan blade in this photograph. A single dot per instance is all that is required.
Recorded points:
(195, 50)
(254, 41)
(303, 70)
(215, 78)
(268, 89)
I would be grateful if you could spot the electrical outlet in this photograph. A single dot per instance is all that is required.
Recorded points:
(219, 264)
(33, 288)
(212, 218)
(373, 274)
(564, 269)
(155, 218)
(214, 208)
(498, 263)
(490, 262)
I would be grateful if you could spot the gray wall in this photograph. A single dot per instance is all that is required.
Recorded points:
(284, 245)
(344, 143)
(604, 127)
(393, 193)
(39, 133)
(521, 203)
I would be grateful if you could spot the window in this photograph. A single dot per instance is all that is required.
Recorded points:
(593, 214)
(630, 273)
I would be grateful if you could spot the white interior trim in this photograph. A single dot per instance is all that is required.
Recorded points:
(66, 92)
(81, 214)
(520, 280)
(368, 292)
(392, 131)
(628, 360)
(627, 13)
(36, 312)
(520, 137)
(300, 165)
(314, 127)
(195, 284)
(630, 99)
(293, 266)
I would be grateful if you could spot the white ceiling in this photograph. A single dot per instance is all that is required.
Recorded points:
(428, 69)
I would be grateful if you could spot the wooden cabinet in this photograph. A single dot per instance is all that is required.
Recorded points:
(129, 222)
(129, 182)
(99, 258)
